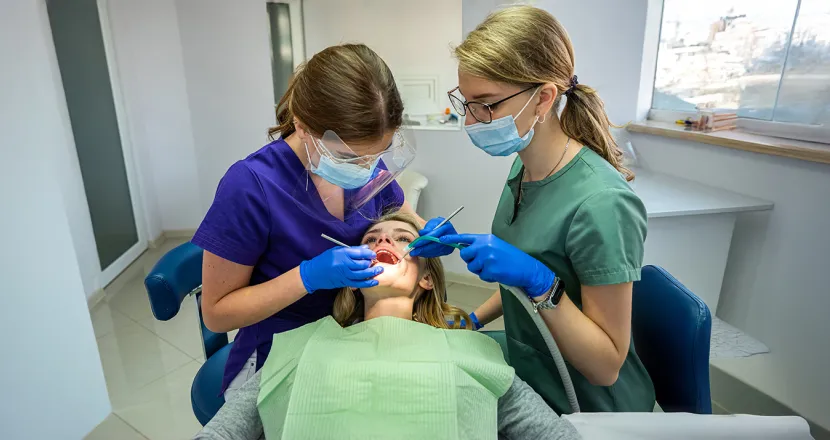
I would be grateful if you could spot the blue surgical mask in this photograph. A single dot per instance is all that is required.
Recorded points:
(501, 137)
(345, 175)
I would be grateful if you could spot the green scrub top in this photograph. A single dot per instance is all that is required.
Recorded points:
(586, 224)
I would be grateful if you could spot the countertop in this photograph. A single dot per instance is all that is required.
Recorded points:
(670, 196)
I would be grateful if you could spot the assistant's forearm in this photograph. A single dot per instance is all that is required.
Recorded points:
(252, 304)
(490, 310)
(583, 343)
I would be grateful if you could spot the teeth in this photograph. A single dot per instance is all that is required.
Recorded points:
(387, 257)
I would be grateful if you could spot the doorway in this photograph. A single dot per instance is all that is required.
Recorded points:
(105, 167)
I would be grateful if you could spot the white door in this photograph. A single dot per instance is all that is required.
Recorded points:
(83, 45)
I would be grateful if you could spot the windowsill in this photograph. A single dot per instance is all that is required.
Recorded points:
(739, 140)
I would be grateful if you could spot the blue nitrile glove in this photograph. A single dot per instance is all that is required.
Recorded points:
(430, 249)
(473, 318)
(340, 267)
(496, 261)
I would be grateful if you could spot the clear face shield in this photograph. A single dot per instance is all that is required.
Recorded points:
(358, 177)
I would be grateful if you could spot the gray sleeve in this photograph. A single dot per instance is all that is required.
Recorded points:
(523, 414)
(238, 419)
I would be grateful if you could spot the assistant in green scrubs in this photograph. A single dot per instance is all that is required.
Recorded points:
(587, 225)
(566, 212)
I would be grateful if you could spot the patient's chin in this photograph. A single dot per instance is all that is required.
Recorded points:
(391, 273)
(396, 280)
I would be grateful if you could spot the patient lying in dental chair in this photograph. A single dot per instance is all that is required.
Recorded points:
(387, 365)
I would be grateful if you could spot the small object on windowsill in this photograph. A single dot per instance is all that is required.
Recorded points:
(715, 120)
(688, 123)
(739, 139)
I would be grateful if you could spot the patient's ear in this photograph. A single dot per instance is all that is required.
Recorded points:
(426, 282)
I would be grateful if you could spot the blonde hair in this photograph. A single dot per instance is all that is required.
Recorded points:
(525, 45)
(430, 306)
(347, 89)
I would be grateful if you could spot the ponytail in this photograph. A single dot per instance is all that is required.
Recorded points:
(585, 120)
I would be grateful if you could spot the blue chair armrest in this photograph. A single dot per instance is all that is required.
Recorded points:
(173, 277)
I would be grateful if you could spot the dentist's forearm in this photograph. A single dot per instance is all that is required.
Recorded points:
(252, 304)
(490, 310)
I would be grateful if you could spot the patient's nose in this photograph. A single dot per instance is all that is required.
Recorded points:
(385, 239)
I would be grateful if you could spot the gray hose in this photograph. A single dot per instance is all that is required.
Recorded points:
(554, 349)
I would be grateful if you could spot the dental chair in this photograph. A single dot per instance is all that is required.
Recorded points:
(175, 276)
(671, 328)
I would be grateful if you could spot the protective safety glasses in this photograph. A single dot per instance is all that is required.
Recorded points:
(384, 166)
(399, 151)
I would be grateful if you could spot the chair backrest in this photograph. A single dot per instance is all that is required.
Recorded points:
(177, 274)
(672, 328)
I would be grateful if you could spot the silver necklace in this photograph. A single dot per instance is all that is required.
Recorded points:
(521, 182)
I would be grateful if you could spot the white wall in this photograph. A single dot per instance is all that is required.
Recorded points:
(149, 57)
(227, 65)
(51, 374)
(412, 37)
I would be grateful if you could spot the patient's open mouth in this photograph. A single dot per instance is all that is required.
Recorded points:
(385, 256)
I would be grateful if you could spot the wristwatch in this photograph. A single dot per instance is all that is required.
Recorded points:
(552, 297)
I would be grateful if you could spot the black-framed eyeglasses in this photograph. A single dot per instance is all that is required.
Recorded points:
(481, 112)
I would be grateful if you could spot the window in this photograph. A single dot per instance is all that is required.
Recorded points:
(769, 61)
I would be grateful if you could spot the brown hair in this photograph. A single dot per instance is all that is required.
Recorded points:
(430, 307)
(347, 89)
(525, 45)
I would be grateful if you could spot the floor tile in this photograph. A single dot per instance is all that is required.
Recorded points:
(497, 324)
(182, 331)
(468, 295)
(105, 320)
(113, 428)
(161, 410)
(132, 357)
(131, 299)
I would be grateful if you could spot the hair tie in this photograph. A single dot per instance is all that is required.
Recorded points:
(572, 86)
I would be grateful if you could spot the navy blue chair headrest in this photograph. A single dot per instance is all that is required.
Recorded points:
(672, 328)
(174, 276)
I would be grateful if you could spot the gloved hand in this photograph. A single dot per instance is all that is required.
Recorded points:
(430, 249)
(473, 319)
(496, 261)
(340, 267)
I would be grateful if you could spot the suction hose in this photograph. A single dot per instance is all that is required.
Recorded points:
(552, 347)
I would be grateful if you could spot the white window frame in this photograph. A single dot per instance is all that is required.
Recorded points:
(654, 18)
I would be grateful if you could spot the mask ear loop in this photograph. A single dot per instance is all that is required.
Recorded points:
(523, 109)
(308, 168)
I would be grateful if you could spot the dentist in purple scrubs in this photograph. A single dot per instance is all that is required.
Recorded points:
(331, 171)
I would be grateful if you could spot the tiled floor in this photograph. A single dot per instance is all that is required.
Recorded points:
(149, 364)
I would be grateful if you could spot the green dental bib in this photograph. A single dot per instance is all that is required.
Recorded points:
(386, 378)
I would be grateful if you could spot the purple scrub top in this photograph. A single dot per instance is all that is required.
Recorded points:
(261, 218)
